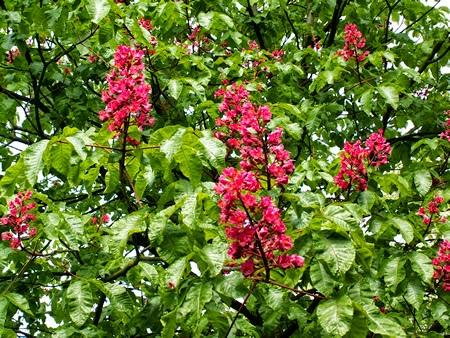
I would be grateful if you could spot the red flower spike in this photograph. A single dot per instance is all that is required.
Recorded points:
(445, 135)
(355, 158)
(354, 42)
(18, 220)
(442, 265)
(432, 212)
(127, 97)
(252, 222)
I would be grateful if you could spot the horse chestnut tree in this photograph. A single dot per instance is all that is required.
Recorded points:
(197, 168)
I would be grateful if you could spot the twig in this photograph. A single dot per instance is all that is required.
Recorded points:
(249, 293)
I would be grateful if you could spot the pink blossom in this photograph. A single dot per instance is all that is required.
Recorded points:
(354, 42)
(18, 219)
(252, 220)
(378, 149)
(446, 133)
(127, 98)
(278, 54)
(442, 265)
(145, 23)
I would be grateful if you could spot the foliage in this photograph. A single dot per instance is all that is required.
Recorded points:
(123, 235)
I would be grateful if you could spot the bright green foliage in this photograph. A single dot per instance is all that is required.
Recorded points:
(160, 268)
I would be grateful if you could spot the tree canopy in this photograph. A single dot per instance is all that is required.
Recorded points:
(260, 168)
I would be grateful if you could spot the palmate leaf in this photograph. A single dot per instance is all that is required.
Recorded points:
(79, 301)
(415, 294)
(125, 227)
(335, 315)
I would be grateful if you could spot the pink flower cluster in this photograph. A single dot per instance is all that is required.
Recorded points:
(278, 54)
(354, 42)
(194, 32)
(244, 129)
(442, 265)
(253, 222)
(103, 219)
(446, 133)
(127, 98)
(145, 23)
(432, 213)
(18, 220)
(353, 171)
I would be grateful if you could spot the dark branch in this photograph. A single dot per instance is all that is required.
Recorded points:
(256, 27)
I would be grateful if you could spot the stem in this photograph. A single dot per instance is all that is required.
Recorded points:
(122, 169)
(241, 307)
(357, 65)
(258, 242)
(266, 159)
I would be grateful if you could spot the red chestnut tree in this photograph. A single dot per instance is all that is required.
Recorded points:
(224, 168)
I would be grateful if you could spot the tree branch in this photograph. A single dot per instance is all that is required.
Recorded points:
(256, 27)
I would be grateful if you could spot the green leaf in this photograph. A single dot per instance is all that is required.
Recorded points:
(421, 264)
(339, 255)
(143, 180)
(171, 146)
(198, 295)
(205, 19)
(79, 301)
(175, 271)
(415, 294)
(175, 88)
(381, 324)
(98, 9)
(216, 254)
(390, 94)
(338, 215)
(20, 302)
(406, 229)
(32, 160)
(122, 229)
(423, 181)
(3, 311)
(321, 279)
(215, 150)
(394, 272)
(188, 209)
(78, 144)
(335, 315)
